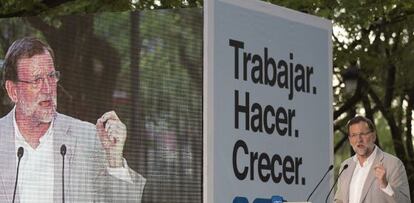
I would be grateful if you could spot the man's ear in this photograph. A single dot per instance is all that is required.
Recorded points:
(11, 90)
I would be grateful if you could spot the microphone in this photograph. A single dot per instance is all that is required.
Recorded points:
(63, 153)
(329, 169)
(20, 153)
(63, 150)
(343, 169)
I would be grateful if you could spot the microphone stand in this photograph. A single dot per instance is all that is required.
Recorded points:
(323, 177)
(20, 153)
(343, 169)
(63, 153)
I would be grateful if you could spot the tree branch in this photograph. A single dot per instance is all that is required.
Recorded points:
(349, 103)
(389, 117)
(408, 119)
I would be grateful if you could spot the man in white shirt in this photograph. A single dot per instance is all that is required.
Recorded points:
(372, 175)
(95, 170)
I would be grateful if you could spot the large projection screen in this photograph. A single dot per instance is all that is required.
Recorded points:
(147, 67)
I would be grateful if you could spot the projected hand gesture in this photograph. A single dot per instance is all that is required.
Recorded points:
(112, 133)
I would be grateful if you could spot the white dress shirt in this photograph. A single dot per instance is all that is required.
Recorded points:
(36, 173)
(360, 175)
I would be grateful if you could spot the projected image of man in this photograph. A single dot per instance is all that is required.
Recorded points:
(64, 159)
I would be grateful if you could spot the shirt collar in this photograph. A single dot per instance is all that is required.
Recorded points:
(19, 136)
(369, 160)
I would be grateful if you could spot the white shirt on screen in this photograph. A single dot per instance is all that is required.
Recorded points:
(36, 172)
(360, 175)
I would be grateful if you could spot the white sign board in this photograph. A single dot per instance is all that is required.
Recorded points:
(267, 102)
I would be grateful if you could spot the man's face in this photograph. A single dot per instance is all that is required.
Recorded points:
(35, 100)
(361, 139)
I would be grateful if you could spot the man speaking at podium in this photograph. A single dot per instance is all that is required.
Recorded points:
(372, 175)
(61, 158)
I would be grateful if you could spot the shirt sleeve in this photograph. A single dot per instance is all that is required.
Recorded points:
(121, 172)
(388, 190)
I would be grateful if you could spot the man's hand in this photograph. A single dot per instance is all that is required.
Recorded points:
(380, 174)
(112, 133)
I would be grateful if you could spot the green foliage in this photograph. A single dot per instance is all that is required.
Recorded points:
(163, 4)
(10, 8)
(64, 7)
(384, 135)
(15, 8)
(164, 73)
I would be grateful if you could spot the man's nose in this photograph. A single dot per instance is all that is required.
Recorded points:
(46, 85)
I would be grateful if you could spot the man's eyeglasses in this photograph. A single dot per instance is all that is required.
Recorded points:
(363, 134)
(52, 77)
